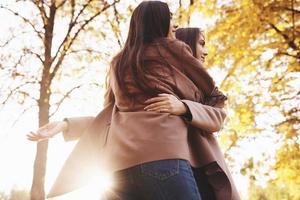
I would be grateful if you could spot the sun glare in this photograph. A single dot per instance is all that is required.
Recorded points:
(94, 191)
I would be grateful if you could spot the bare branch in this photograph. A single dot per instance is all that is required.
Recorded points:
(86, 22)
(189, 14)
(180, 16)
(293, 19)
(291, 97)
(15, 90)
(40, 5)
(290, 42)
(118, 34)
(13, 37)
(290, 120)
(18, 62)
(63, 2)
(82, 9)
(26, 50)
(39, 33)
(280, 8)
(63, 98)
(72, 23)
(290, 55)
(293, 110)
(84, 50)
(21, 114)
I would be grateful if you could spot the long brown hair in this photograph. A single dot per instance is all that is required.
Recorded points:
(190, 36)
(150, 20)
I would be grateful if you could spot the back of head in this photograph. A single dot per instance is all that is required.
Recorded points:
(156, 20)
(150, 20)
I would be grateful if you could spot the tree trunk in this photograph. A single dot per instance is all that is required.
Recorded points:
(37, 188)
(38, 182)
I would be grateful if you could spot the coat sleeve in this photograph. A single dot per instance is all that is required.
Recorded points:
(76, 127)
(205, 117)
(209, 116)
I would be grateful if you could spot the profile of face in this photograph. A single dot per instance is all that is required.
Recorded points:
(193, 37)
(201, 50)
(173, 27)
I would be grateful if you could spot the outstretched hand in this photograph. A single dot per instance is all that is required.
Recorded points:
(47, 131)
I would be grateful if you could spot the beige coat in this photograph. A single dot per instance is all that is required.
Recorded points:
(123, 135)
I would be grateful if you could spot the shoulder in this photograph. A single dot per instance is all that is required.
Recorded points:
(175, 43)
(173, 46)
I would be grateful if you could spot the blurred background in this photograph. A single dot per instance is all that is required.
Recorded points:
(55, 53)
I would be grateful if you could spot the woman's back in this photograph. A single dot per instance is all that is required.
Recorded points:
(164, 72)
(137, 136)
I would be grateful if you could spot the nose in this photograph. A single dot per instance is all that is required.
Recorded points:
(175, 27)
(205, 52)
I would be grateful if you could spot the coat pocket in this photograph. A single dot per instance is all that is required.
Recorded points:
(216, 176)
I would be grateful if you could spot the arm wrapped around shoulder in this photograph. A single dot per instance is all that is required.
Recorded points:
(209, 116)
(205, 117)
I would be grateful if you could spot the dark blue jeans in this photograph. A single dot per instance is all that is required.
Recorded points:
(158, 180)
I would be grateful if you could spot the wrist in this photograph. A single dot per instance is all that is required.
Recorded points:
(183, 108)
(187, 113)
(65, 125)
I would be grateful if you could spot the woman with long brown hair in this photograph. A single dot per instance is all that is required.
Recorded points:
(217, 184)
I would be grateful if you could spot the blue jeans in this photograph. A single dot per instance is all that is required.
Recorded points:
(158, 180)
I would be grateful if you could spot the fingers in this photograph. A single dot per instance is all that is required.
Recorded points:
(164, 95)
(156, 99)
(31, 134)
(158, 104)
(160, 109)
(163, 103)
(34, 137)
(169, 96)
(161, 97)
(44, 132)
